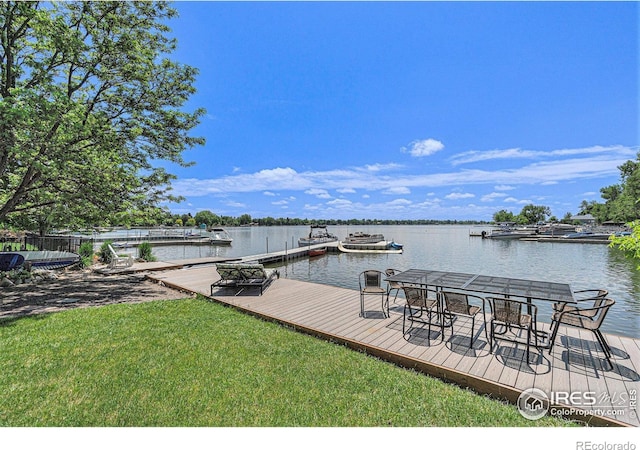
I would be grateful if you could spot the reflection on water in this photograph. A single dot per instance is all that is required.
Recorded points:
(449, 248)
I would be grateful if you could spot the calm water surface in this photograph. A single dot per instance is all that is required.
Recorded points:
(449, 248)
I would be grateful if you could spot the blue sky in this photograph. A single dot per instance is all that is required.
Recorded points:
(418, 110)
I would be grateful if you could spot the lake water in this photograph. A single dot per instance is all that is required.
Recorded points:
(449, 248)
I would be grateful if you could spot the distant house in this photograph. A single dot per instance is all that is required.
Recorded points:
(585, 219)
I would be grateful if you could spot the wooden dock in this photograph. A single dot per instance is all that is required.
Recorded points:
(576, 366)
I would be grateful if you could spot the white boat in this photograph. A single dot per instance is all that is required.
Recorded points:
(587, 235)
(370, 249)
(220, 236)
(317, 235)
(364, 242)
(508, 234)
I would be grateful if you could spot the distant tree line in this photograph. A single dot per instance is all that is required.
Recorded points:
(209, 219)
(621, 203)
(622, 200)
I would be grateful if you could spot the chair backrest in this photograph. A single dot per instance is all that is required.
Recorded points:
(253, 271)
(455, 302)
(508, 310)
(228, 271)
(113, 252)
(415, 296)
(392, 284)
(597, 295)
(602, 310)
(590, 294)
(371, 278)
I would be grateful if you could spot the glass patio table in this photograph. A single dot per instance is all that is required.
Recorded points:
(504, 286)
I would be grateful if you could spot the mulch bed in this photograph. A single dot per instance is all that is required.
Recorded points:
(81, 289)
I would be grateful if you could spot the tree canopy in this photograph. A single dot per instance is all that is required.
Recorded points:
(90, 104)
(622, 201)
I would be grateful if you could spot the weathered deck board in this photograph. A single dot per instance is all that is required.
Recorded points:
(574, 365)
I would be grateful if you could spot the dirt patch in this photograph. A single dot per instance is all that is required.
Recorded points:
(81, 289)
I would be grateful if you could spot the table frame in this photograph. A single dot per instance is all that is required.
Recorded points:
(508, 287)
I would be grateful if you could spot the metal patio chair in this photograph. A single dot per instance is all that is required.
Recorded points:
(506, 316)
(392, 285)
(420, 308)
(371, 284)
(596, 296)
(586, 318)
(457, 304)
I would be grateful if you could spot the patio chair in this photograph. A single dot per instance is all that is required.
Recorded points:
(596, 296)
(229, 276)
(420, 308)
(119, 260)
(507, 316)
(392, 285)
(244, 275)
(586, 318)
(255, 275)
(457, 304)
(370, 282)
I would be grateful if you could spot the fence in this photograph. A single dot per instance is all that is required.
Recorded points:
(58, 243)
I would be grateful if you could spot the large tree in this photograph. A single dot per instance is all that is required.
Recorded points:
(89, 104)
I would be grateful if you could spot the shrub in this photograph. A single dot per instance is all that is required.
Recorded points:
(86, 253)
(105, 254)
(144, 252)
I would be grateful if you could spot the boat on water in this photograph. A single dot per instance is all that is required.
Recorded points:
(41, 259)
(509, 231)
(507, 234)
(557, 229)
(318, 235)
(317, 251)
(588, 235)
(220, 236)
(367, 243)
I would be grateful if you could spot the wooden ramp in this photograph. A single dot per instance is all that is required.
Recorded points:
(576, 366)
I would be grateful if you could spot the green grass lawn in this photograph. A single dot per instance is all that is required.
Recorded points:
(196, 363)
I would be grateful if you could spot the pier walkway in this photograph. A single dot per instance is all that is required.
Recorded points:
(576, 367)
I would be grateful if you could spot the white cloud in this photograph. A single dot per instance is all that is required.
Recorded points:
(459, 195)
(340, 203)
(491, 197)
(235, 204)
(399, 201)
(269, 193)
(425, 147)
(515, 153)
(346, 191)
(379, 167)
(280, 202)
(320, 193)
(596, 165)
(397, 190)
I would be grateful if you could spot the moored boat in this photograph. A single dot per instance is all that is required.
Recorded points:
(364, 242)
(317, 235)
(220, 236)
(587, 235)
(317, 251)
